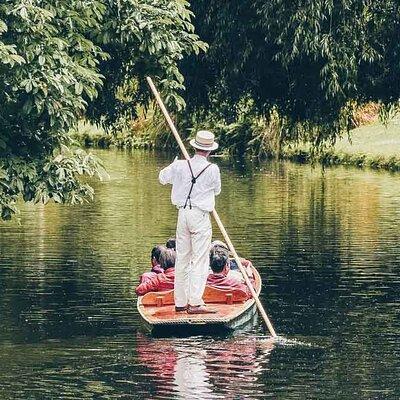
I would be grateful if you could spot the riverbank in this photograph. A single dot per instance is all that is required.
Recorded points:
(373, 146)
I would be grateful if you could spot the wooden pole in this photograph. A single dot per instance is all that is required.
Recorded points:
(168, 118)
(214, 212)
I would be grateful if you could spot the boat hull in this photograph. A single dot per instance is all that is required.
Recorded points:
(164, 321)
(242, 321)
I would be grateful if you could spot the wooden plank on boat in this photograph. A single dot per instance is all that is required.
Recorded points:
(158, 310)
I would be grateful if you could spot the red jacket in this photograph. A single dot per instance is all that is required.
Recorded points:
(157, 283)
(221, 281)
(148, 275)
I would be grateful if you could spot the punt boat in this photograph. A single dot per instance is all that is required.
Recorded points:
(234, 311)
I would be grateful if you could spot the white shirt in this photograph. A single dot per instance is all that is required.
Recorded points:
(207, 186)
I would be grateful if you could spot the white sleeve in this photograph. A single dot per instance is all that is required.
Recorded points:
(217, 181)
(167, 174)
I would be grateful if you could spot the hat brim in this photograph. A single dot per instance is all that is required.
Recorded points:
(205, 148)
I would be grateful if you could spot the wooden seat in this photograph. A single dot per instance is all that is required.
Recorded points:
(211, 295)
(158, 298)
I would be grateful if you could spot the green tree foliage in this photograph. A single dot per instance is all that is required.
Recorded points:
(143, 37)
(306, 58)
(57, 59)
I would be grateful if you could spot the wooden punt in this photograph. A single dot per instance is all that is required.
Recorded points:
(157, 310)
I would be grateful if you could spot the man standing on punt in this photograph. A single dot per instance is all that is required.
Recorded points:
(195, 183)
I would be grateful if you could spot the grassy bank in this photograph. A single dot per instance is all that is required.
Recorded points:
(147, 131)
(373, 146)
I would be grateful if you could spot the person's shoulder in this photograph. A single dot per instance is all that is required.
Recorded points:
(182, 163)
(178, 164)
(214, 167)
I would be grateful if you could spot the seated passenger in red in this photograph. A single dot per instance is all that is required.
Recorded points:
(219, 279)
(162, 281)
(234, 270)
(155, 258)
(155, 263)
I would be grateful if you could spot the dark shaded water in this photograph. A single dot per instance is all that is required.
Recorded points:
(326, 245)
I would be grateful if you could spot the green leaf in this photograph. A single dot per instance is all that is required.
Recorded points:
(57, 198)
(23, 13)
(28, 86)
(78, 88)
(3, 26)
(17, 58)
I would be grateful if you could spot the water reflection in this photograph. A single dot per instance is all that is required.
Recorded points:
(205, 369)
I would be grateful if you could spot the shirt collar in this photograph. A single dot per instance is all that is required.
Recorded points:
(200, 157)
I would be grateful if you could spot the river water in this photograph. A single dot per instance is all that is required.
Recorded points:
(327, 247)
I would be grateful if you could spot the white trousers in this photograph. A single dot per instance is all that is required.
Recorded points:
(193, 241)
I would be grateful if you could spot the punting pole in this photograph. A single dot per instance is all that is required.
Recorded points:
(214, 212)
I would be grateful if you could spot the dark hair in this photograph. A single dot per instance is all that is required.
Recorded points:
(171, 243)
(167, 258)
(156, 251)
(218, 260)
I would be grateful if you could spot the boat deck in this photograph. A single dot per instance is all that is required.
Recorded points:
(167, 314)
